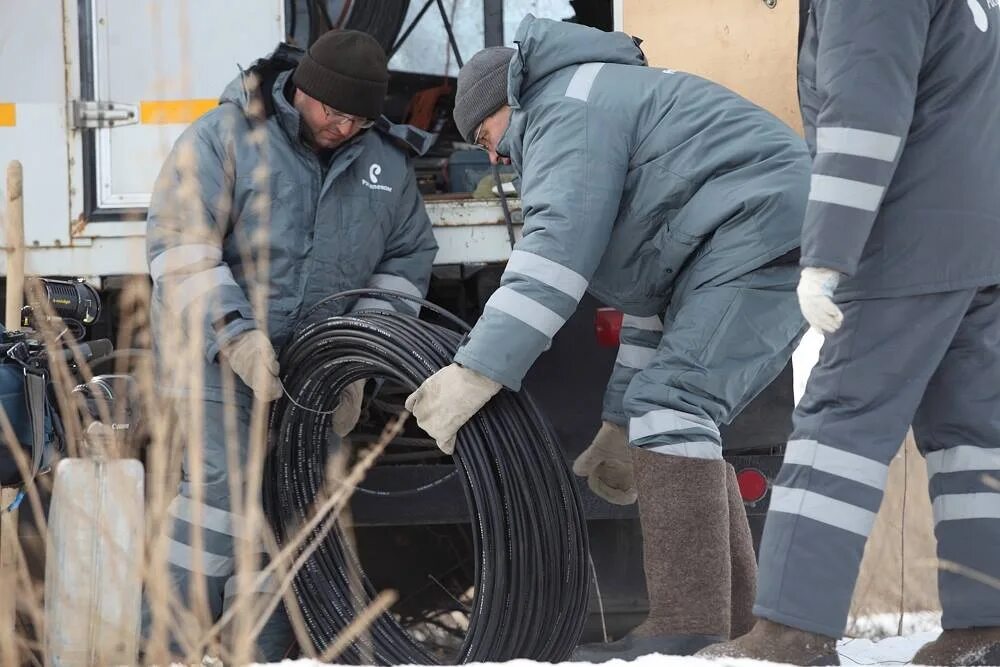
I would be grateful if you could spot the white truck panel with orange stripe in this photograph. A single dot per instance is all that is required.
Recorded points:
(149, 67)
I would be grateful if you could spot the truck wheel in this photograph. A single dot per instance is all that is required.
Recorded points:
(93, 573)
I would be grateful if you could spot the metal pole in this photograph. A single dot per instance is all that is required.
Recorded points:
(493, 22)
(451, 34)
(413, 24)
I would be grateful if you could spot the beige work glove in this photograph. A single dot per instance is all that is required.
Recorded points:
(348, 411)
(252, 357)
(815, 290)
(607, 465)
(447, 400)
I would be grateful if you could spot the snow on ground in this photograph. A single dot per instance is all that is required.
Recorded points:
(875, 644)
(879, 626)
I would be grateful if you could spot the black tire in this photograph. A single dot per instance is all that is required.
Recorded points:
(382, 20)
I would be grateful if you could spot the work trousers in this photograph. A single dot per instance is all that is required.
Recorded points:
(719, 347)
(205, 507)
(932, 361)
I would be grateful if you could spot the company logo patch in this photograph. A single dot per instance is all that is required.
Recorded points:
(371, 182)
(979, 16)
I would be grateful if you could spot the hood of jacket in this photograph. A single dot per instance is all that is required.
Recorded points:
(545, 46)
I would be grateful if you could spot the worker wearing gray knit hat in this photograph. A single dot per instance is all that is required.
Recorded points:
(482, 88)
(681, 204)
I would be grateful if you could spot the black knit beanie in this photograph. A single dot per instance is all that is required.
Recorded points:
(346, 70)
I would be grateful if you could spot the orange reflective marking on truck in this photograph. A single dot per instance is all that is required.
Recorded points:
(164, 112)
(8, 114)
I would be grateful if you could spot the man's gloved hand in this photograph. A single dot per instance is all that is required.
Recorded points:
(607, 465)
(347, 412)
(252, 357)
(815, 290)
(447, 400)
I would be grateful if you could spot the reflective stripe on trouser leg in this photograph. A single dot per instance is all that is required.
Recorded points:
(858, 404)
(721, 346)
(676, 433)
(204, 510)
(957, 426)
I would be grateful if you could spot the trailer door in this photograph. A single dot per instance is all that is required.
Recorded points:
(149, 68)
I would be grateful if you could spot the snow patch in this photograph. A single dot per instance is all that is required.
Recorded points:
(881, 626)
(889, 651)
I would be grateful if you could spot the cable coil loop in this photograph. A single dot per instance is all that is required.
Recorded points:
(530, 540)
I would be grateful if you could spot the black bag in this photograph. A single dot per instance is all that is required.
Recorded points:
(23, 399)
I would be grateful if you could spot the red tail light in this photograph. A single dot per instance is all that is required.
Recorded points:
(608, 326)
(753, 484)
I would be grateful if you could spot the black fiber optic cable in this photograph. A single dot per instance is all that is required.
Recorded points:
(528, 525)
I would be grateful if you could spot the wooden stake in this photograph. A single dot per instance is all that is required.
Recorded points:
(14, 233)
(8, 579)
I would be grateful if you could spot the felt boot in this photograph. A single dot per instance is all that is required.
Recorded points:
(964, 646)
(775, 642)
(684, 512)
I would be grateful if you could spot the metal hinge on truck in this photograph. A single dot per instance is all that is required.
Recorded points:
(89, 114)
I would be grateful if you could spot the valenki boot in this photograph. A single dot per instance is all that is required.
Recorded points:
(964, 646)
(684, 512)
(743, 560)
(775, 642)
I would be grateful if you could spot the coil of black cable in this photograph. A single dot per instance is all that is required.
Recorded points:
(529, 532)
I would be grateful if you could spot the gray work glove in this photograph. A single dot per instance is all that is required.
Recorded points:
(447, 400)
(252, 357)
(607, 465)
(815, 291)
(348, 411)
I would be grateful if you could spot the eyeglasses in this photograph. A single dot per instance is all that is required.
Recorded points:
(339, 118)
(475, 140)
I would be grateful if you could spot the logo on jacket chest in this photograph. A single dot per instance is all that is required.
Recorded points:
(979, 15)
(374, 171)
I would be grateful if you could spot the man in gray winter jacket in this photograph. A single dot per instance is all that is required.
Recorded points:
(680, 203)
(901, 257)
(287, 192)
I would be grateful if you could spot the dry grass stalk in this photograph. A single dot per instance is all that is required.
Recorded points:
(380, 605)
(174, 427)
(976, 575)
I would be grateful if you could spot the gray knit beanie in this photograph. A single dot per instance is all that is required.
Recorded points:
(482, 88)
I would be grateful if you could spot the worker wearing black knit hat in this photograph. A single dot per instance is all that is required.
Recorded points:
(346, 70)
(340, 86)
(270, 202)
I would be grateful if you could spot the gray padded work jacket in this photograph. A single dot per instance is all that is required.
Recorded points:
(240, 185)
(630, 176)
(901, 103)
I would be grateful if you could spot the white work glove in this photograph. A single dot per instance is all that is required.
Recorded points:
(348, 411)
(815, 290)
(607, 465)
(252, 357)
(447, 400)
